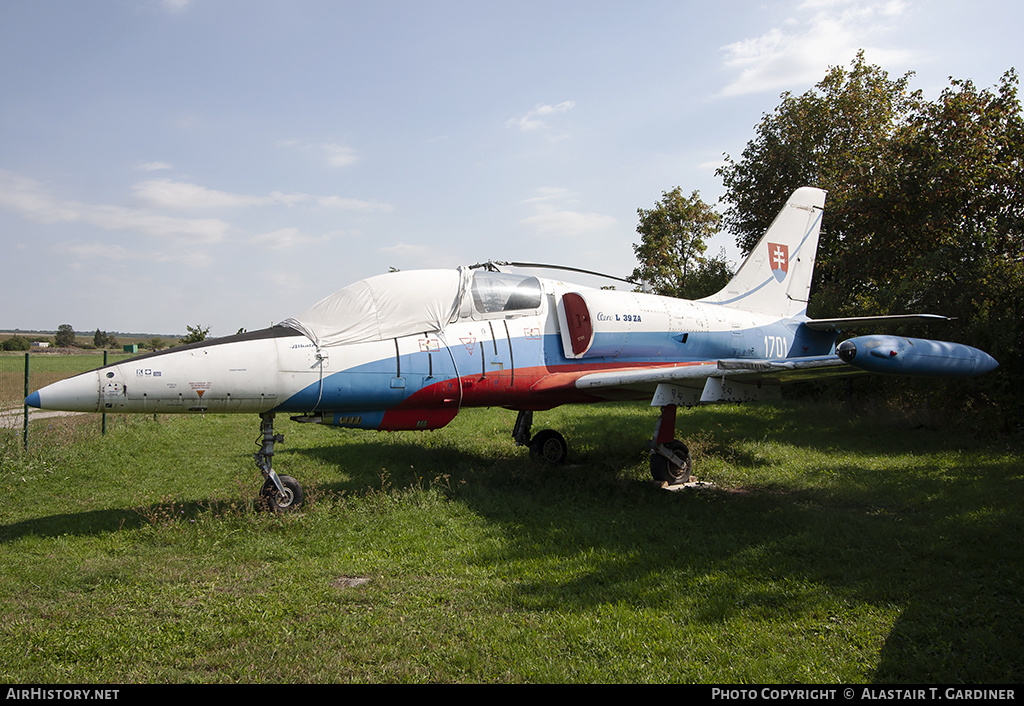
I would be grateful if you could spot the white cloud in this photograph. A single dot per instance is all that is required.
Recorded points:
(408, 250)
(712, 165)
(536, 119)
(553, 216)
(339, 155)
(180, 196)
(822, 33)
(287, 238)
(183, 237)
(547, 194)
(335, 154)
(28, 198)
(166, 194)
(192, 257)
(346, 204)
(569, 222)
(154, 166)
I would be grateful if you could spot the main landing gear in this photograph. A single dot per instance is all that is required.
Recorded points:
(548, 445)
(670, 459)
(279, 493)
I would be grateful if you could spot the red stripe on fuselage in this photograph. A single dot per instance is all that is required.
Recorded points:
(536, 388)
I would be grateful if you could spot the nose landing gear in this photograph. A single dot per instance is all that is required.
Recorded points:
(279, 493)
(547, 445)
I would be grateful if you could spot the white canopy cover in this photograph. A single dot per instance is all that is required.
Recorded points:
(386, 306)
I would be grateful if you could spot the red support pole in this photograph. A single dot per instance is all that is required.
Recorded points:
(666, 430)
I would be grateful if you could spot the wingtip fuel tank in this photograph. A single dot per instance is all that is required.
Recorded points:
(914, 356)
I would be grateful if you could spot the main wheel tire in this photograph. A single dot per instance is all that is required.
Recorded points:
(549, 446)
(667, 471)
(275, 501)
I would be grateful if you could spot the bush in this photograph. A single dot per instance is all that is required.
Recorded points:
(16, 343)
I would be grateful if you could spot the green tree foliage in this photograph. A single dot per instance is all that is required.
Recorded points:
(947, 228)
(925, 207)
(195, 334)
(837, 138)
(65, 337)
(102, 339)
(672, 246)
(16, 343)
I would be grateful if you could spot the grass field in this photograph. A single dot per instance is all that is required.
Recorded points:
(836, 547)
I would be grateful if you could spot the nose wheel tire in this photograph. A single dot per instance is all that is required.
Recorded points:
(276, 501)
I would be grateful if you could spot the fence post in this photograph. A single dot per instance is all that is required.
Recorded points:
(103, 429)
(24, 432)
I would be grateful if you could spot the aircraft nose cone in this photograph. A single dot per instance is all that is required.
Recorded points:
(77, 394)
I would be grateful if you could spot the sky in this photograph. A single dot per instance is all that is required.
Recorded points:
(227, 163)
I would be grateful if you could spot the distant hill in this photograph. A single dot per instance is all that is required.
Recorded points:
(84, 338)
(7, 333)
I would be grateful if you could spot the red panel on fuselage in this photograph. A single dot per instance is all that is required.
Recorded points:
(577, 319)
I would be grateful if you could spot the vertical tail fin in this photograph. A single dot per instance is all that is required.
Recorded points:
(776, 276)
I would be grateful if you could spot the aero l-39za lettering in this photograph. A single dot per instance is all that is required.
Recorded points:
(408, 350)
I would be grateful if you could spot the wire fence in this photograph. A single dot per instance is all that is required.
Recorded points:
(24, 373)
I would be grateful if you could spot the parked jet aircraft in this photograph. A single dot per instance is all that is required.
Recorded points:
(408, 350)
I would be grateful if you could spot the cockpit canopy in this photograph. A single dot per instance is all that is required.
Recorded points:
(502, 292)
(404, 303)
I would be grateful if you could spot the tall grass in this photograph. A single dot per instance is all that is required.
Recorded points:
(833, 547)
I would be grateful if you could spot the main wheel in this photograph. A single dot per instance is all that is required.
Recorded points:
(291, 499)
(549, 446)
(668, 471)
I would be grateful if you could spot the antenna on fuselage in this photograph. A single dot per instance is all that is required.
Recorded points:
(493, 265)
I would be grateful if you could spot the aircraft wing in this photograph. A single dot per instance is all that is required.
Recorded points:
(855, 322)
(744, 379)
(725, 380)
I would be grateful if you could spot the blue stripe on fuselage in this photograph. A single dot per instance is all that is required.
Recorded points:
(375, 385)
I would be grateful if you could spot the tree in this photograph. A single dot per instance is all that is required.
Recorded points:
(65, 337)
(156, 343)
(925, 209)
(835, 137)
(195, 334)
(672, 246)
(101, 339)
(948, 230)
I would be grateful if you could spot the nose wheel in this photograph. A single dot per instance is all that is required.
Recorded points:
(288, 497)
(279, 493)
(548, 445)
